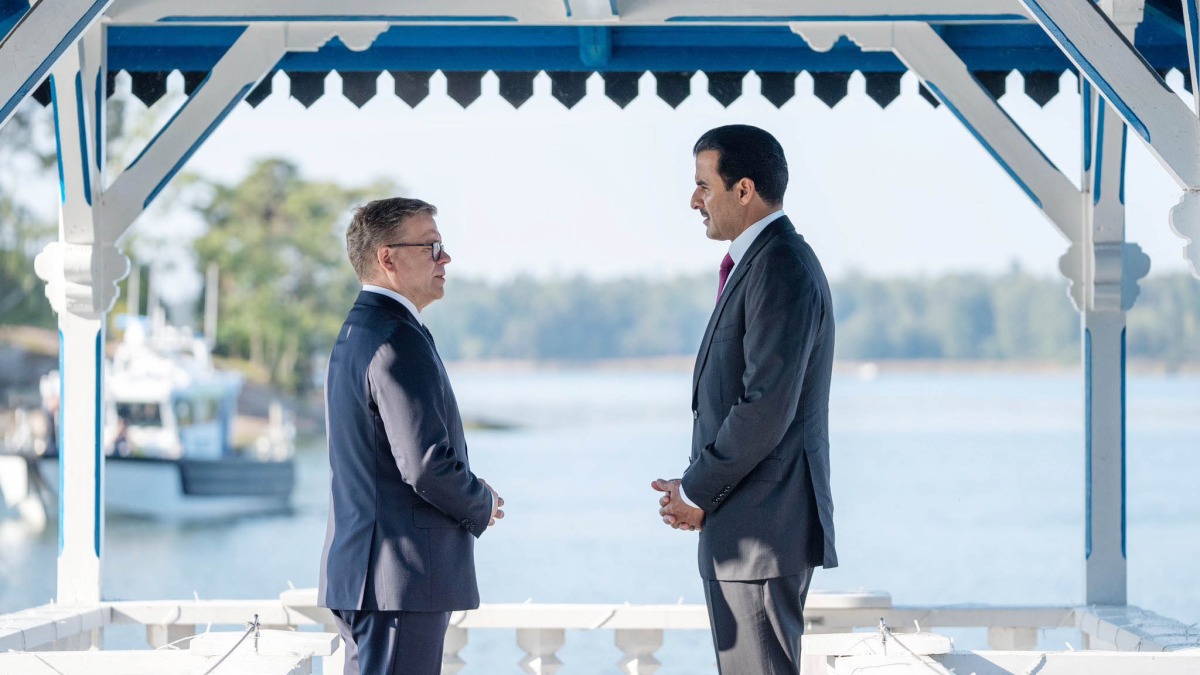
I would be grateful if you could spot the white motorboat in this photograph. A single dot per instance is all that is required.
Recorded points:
(168, 435)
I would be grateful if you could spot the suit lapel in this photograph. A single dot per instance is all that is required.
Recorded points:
(777, 226)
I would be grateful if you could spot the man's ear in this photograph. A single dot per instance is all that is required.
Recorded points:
(745, 191)
(383, 256)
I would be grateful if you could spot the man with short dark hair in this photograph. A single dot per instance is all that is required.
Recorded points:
(404, 507)
(757, 485)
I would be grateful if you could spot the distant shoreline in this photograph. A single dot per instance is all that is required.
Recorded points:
(840, 367)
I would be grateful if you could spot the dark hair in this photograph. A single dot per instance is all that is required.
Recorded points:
(744, 151)
(378, 223)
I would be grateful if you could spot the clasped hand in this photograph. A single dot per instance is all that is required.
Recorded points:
(676, 512)
(497, 502)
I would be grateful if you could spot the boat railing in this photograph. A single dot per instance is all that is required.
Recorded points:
(541, 629)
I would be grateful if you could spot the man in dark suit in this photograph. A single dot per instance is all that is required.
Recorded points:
(404, 507)
(757, 486)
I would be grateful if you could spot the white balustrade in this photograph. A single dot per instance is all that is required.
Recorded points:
(541, 630)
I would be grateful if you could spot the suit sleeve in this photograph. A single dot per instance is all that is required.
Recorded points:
(407, 385)
(784, 315)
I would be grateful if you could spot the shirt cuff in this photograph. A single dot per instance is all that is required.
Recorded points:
(684, 497)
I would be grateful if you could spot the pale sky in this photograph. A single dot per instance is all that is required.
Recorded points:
(604, 192)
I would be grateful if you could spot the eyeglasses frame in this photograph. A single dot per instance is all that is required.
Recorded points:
(435, 248)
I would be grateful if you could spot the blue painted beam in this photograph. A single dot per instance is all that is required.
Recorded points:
(678, 48)
(11, 12)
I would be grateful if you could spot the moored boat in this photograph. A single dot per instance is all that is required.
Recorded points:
(169, 435)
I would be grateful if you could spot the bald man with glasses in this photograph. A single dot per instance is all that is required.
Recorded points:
(405, 508)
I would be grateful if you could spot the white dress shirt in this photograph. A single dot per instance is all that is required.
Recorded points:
(397, 297)
(737, 251)
(739, 246)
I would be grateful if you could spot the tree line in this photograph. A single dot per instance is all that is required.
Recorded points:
(1015, 315)
(278, 240)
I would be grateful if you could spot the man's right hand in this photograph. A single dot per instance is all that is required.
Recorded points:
(497, 502)
(675, 511)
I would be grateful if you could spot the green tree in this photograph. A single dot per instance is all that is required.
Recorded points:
(1165, 321)
(278, 241)
(27, 156)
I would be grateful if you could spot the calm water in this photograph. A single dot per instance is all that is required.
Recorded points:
(949, 488)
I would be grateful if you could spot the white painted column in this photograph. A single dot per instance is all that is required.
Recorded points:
(1104, 271)
(81, 270)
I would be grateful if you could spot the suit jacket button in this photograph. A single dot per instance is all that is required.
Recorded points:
(695, 414)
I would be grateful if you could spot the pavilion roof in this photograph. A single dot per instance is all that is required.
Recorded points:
(466, 48)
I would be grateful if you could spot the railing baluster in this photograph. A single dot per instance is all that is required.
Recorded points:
(1012, 638)
(335, 663)
(158, 635)
(456, 639)
(540, 645)
(638, 648)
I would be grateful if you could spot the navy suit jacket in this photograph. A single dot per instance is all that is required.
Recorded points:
(760, 401)
(404, 507)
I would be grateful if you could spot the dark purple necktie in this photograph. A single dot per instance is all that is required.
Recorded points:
(726, 265)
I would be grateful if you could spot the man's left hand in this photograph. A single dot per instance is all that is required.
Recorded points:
(675, 512)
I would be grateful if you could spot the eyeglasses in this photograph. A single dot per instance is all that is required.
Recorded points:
(435, 248)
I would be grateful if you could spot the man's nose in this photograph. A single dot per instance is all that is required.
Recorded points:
(696, 202)
(445, 258)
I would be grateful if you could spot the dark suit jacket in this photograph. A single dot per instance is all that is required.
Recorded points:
(404, 507)
(760, 402)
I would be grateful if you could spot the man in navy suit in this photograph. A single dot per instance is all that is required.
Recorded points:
(405, 508)
(757, 483)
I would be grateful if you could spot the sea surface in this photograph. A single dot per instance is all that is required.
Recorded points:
(949, 488)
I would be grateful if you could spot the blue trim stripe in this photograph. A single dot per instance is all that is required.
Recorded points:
(391, 18)
(1124, 160)
(1087, 442)
(38, 73)
(98, 112)
(97, 519)
(1123, 492)
(1086, 97)
(567, 6)
(62, 183)
(81, 118)
(62, 455)
(1098, 172)
(987, 146)
(238, 98)
(1094, 75)
(1193, 35)
(934, 18)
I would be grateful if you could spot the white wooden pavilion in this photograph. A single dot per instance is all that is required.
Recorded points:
(66, 53)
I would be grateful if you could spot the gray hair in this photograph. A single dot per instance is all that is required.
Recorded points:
(376, 224)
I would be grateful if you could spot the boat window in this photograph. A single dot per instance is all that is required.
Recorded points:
(205, 410)
(183, 413)
(140, 414)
